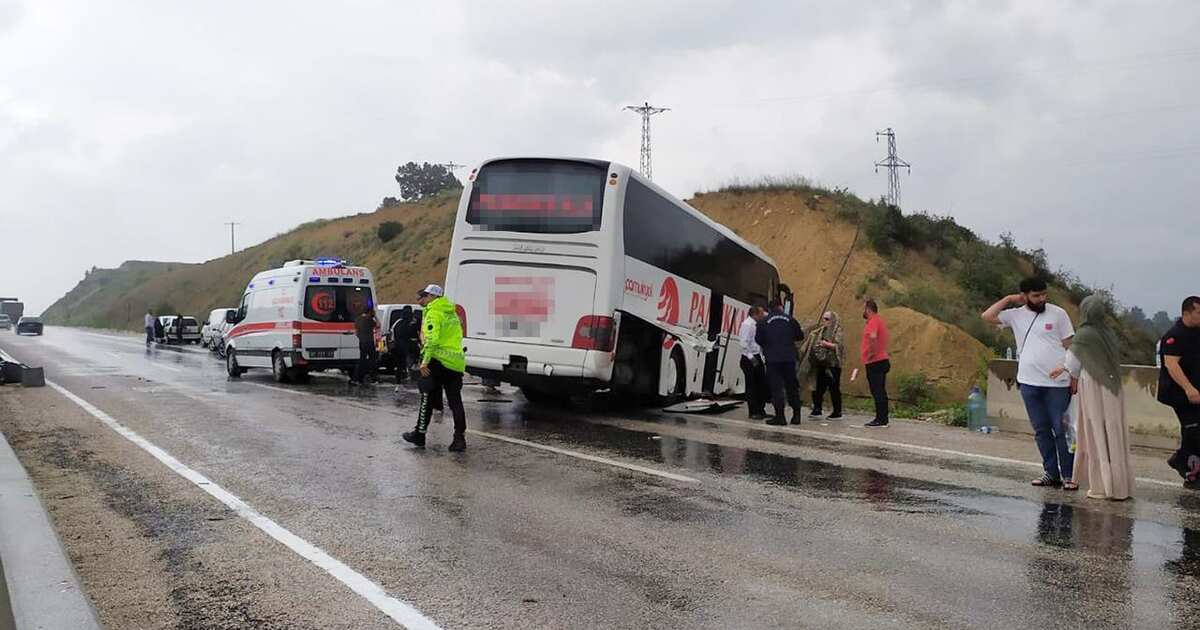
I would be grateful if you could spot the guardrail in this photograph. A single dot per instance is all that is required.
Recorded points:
(1151, 423)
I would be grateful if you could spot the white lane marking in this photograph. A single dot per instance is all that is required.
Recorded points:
(511, 440)
(166, 367)
(401, 612)
(585, 456)
(906, 446)
(288, 390)
(116, 355)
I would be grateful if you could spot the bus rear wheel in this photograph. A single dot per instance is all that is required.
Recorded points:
(537, 396)
(677, 378)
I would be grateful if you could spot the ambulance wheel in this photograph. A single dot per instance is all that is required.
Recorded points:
(279, 369)
(231, 364)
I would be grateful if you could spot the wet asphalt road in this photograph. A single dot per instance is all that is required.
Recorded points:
(759, 530)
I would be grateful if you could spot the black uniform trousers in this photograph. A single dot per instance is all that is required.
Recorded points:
(1189, 438)
(441, 379)
(784, 386)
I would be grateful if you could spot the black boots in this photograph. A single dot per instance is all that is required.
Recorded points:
(417, 439)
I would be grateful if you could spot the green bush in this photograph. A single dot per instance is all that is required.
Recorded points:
(389, 230)
(915, 388)
(986, 273)
(956, 416)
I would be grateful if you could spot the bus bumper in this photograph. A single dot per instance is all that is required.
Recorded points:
(516, 364)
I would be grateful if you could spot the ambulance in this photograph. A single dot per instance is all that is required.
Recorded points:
(299, 318)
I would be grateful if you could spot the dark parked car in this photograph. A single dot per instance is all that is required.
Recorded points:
(29, 325)
(5, 321)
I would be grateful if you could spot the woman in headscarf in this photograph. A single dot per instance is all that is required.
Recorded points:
(1103, 464)
(826, 357)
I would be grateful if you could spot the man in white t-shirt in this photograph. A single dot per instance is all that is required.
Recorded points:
(1043, 332)
(752, 364)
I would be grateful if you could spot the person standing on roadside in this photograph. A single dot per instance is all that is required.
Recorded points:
(178, 328)
(365, 327)
(752, 364)
(442, 365)
(826, 357)
(1103, 461)
(149, 322)
(1179, 388)
(876, 361)
(777, 335)
(1043, 333)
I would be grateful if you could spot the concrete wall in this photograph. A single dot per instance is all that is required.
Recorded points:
(1151, 423)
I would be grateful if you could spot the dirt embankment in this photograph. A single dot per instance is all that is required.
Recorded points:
(809, 243)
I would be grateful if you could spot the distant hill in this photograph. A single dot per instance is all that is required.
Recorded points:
(932, 276)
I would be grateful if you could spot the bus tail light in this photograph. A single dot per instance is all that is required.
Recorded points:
(594, 332)
(296, 341)
(462, 317)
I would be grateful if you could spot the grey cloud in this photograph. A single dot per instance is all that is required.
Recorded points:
(1050, 120)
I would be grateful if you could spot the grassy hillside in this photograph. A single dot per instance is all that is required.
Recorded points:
(927, 263)
(931, 276)
(412, 257)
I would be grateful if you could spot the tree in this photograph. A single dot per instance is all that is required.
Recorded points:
(1162, 322)
(419, 181)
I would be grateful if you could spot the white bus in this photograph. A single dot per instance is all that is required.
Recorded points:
(574, 275)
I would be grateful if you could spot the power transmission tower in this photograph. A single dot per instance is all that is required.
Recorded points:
(646, 111)
(231, 225)
(893, 164)
(450, 166)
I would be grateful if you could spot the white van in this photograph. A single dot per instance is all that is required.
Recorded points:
(213, 331)
(299, 318)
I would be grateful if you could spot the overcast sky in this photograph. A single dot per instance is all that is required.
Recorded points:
(133, 130)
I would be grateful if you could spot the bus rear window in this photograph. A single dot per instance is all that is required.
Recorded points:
(538, 196)
(336, 303)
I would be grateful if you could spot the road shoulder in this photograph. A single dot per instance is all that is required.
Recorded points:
(43, 589)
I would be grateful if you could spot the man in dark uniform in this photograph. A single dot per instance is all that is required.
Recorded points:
(778, 334)
(364, 328)
(1179, 388)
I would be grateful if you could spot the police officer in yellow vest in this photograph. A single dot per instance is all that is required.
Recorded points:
(442, 365)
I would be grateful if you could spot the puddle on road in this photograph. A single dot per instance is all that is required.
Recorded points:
(1053, 526)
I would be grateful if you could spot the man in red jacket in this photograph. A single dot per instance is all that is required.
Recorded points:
(876, 361)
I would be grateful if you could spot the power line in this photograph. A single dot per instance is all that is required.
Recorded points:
(893, 164)
(646, 110)
(231, 225)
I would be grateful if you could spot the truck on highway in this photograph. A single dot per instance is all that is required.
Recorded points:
(575, 275)
(299, 318)
(12, 308)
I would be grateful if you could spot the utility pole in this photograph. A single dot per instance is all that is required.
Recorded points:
(231, 225)
(646, 110)
(893, 164)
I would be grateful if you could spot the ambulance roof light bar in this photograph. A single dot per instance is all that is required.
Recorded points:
(329, 261)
